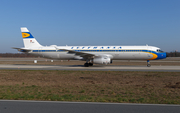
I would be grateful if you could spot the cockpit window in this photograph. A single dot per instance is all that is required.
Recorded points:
(159, 51)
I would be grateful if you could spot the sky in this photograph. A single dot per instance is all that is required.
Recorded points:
(91, 22)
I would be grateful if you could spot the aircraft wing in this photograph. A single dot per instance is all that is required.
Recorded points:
(85, 55)
(81, 54)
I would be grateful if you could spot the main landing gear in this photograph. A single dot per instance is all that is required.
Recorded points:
(148, 63)
(88, 64)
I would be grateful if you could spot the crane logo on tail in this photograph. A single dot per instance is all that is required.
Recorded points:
(27, 35)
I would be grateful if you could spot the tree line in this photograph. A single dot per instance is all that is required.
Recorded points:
(16, 55)
(23, 55)
(173, 54)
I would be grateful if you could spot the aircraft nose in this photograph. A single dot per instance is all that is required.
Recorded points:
(163, 55)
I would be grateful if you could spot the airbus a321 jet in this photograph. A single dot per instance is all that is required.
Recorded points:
(90, 54)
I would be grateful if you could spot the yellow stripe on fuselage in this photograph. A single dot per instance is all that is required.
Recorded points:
(154, 56)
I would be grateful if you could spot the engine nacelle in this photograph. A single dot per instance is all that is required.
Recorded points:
(102, 60)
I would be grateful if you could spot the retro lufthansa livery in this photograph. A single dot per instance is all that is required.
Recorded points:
(90, 54)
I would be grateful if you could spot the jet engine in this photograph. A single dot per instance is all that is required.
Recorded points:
(102, 60)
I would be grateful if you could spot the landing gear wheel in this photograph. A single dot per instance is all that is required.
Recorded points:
(90, 64)
(86, 65)
(148, 63)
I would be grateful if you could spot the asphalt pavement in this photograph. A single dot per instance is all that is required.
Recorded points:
(15, 106)
(93, 68)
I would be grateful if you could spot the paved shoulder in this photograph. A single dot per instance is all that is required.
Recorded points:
(82, 107)
(96, 68)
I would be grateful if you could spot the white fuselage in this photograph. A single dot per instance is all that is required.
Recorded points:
(113, 52)
(91, 54)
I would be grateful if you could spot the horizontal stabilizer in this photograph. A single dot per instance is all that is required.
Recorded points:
(22, 49)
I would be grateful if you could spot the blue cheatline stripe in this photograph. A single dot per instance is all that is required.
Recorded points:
(96, 51)
(160, 55)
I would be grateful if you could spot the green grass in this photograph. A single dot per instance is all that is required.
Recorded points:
(91, 86)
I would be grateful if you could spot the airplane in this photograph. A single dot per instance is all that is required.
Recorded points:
(90, 54)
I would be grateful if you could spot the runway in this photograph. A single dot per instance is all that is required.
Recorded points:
(93, 68)
(16, 106)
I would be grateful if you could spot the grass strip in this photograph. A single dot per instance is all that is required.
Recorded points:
(91, 86)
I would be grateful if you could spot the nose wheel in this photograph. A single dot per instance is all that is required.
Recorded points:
(148, 63)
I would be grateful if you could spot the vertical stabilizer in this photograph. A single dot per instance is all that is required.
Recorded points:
(29, 40)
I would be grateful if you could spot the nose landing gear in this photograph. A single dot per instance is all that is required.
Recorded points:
(148, 63)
